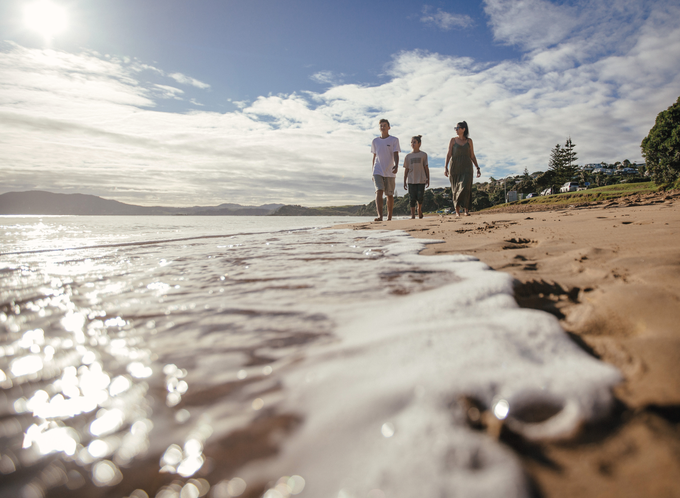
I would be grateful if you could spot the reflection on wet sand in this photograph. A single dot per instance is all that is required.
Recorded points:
(127, 371)
(313, 362)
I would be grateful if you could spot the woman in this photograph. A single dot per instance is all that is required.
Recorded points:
(462, 156)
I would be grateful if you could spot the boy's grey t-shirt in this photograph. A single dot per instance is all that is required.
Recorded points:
(416, 162)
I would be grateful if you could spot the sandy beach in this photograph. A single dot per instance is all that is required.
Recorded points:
(611, 273)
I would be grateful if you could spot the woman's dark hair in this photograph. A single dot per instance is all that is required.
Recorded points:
(418, 138)
(463, 124)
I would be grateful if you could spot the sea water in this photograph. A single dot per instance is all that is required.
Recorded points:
(264, 356)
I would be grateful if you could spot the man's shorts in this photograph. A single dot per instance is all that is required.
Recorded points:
(384, 183)
(416, 192)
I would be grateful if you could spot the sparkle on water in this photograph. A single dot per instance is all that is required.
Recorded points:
(165, 337)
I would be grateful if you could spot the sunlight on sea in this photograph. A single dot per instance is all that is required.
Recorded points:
(262, 356)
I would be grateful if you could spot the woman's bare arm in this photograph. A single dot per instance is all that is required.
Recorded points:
(473, 157)
(448, 157)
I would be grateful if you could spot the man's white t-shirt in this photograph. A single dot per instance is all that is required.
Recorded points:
(384, 149)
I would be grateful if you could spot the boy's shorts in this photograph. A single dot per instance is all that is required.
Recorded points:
(384, 183)
(416, 192)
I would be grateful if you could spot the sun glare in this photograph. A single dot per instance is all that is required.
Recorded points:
(46, 18)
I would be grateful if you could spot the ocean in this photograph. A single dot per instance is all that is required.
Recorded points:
(181, 357)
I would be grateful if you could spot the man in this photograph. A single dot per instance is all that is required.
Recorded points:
(385, 149)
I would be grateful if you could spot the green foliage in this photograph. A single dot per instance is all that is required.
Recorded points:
(569, 153)
(556, 158)
(544, 181)
(497, 196)
(562, 163)
(661, 148)
(480, 198)
(402, 206)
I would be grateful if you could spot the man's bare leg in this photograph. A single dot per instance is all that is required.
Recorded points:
(390, 206)
(420, 210)
(413, 212)
(379, 205)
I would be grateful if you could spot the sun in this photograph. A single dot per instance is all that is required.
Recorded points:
(46, 18)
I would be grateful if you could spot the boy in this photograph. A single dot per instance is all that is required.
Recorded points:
(385, 149)
(417, 173)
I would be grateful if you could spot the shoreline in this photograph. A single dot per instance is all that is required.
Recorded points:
(611, 274)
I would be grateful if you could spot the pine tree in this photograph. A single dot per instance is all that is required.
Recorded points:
(569, 153)
(556, 158)
(556, 166)
(562, 162)
(570, 157)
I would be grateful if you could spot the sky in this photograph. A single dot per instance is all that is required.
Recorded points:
(183, 103)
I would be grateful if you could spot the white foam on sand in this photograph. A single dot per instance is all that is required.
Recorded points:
(381, 406)
(374, 349)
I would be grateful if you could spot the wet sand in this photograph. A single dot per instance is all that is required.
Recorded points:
(611, 273)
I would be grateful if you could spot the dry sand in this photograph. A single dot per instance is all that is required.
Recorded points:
(611, 274)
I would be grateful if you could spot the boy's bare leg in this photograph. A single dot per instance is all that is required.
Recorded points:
(390, 206)
(420, 210)
(413, 212)
(379, 205)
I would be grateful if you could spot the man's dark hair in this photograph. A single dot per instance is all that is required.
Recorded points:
(384, 121)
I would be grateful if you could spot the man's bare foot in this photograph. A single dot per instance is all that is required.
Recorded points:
(420, 216)
(389, 219)
(413, 217)
(377, 219)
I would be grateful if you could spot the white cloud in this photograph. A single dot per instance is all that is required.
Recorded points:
(168, 92)
(327, 78)
(445, 20)
(187, 80)
(86, 123)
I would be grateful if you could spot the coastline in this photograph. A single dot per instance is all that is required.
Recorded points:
(611, 274)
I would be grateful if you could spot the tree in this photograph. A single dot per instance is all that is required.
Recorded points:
(562, 163)
(556, 158)
(556, 166)
(661, 148)
(526, 183)
(569, 154)
(544, 181)
(480, 199)
(428, 201)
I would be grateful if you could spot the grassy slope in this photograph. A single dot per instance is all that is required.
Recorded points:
(586, 196)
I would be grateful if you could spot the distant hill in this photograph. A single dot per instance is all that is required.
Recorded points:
(47, 203)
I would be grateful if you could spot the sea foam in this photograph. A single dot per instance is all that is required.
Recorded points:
(382, 406)
(332, 363)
